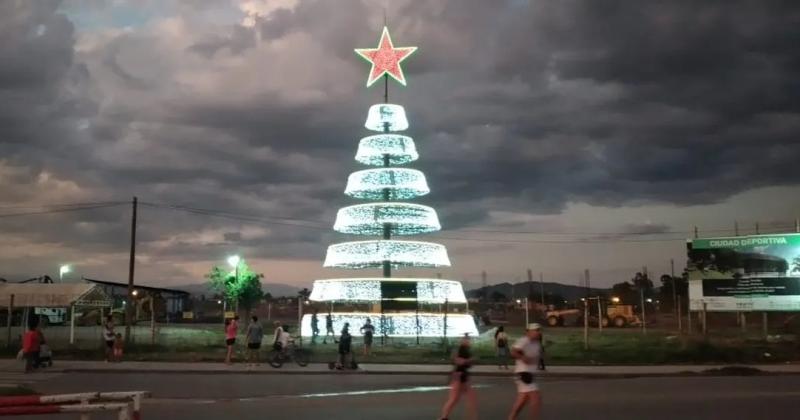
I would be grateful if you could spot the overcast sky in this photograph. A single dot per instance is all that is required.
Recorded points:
(611, 128)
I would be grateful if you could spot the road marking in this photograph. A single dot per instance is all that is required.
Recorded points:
(382, 391)
(315, 395)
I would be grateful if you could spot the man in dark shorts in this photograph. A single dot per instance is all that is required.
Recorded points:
(109, 336)
(369, 331)
(255, 333)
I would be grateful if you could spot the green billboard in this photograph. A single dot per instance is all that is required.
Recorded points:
(745, 273)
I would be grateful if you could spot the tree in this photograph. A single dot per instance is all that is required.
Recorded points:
(245, 290)
(681, 288)
(626, 293)
(498, 297)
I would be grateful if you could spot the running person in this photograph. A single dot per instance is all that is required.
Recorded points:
(459, 380)
(527, 351)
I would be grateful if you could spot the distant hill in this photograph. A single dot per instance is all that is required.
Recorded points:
(275, 289)
(520, 290)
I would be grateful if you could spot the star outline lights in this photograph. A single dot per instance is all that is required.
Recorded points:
(385, 59)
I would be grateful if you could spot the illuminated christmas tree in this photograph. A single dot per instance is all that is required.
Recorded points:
(400, 307)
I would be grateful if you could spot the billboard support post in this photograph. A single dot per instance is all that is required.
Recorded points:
(705, 319)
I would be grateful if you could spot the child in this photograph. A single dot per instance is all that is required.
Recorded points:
(118, 346)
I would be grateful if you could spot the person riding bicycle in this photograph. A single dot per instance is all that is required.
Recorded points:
(280, 338)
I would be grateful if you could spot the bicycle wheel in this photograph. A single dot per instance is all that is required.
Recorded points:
(275, 359)
(301, 357)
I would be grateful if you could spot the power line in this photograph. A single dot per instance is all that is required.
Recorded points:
(58, 210)
(233, 216)
(61, 205)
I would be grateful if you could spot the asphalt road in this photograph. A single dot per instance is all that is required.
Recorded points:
(386, 397)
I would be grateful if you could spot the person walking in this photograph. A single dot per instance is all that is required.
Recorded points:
(314, 327)
(31, 342)
(329, 329)
(109, 336)
(231, 330)
(527, 351)
(368, 330)
(459, 380)
(501, 347)
(345, 342)
(255, 334)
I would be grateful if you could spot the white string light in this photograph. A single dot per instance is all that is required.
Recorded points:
(400, 183)
(398, 324)
(369, 290)
(399, 149)
(386, 117)
(372, 254)
(404, 218)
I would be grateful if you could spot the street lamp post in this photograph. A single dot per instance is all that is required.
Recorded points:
(64, 269)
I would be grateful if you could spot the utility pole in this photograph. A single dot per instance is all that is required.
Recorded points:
(587, 282)
(541, 286)
(735, 228)
(644, 319)
(586, 324)
(530, 283)
(757, 230)
(131, 264)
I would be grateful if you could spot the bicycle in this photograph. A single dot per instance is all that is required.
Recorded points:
(292, 353)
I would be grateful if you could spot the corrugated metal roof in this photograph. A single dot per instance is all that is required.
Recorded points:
(52, 295)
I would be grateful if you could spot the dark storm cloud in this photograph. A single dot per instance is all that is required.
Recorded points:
(515, 106)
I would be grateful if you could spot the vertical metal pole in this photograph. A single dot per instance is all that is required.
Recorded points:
(689, 319)
(152, 320)
(735, 228)
(300, 318)
(705, 319)
(586, 324)
(269, 312)
(72, 325)
(8, 321)
(599, 315)
(444, 327)
(764, 324)
(541, 286)
(680, 317)
(696, 233)
(674, 289)
(758, 231)
(527, 318)
(743, 321)
(644, 318)
(131, 264)
(797, 225)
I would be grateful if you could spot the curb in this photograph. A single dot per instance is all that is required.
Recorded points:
(706, 373)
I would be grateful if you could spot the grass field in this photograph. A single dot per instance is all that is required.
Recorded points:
(563, 346)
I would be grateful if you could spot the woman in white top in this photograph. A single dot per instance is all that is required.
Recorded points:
(527, 351)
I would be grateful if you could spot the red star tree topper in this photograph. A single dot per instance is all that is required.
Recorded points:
(385, 59)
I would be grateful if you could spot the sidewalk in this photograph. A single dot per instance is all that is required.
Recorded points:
(386, 369)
